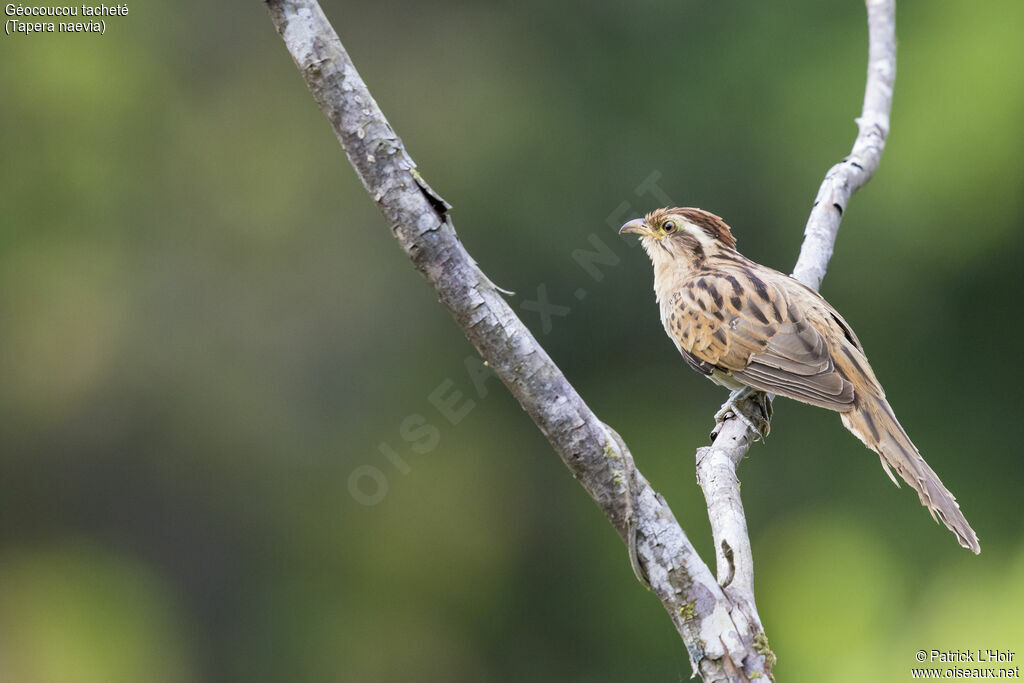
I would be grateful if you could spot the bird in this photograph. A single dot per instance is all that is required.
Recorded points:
(753, 329)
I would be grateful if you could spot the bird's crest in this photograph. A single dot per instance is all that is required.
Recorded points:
(711, 224)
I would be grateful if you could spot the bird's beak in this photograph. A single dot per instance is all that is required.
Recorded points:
(637, 226)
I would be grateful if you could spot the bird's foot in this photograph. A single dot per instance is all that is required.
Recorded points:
(757, 420)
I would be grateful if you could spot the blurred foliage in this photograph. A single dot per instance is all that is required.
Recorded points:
(206, 332)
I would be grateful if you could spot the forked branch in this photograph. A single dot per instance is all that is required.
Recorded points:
(716, 464)
(723, 636)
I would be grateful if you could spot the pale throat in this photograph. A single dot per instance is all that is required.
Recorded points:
(671, 269)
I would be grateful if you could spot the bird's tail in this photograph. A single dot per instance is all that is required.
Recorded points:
(873, 422)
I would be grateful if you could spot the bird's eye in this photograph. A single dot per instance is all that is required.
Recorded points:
(668, 226)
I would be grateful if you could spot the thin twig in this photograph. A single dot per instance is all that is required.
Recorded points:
(721, 629)
(716, 465)
(853, 172)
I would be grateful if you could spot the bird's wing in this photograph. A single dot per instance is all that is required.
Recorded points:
(751, 329)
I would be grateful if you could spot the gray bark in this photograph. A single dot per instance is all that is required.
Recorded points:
(716, 465)
(719, 627)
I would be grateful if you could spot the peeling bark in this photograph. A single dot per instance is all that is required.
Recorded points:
(719, 627)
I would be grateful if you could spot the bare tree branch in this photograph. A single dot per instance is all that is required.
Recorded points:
(721, 641)
(719, 627)
(716, 474)
(716, 464)
(853, 172)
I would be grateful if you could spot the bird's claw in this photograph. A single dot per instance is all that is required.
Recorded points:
(731, 409)
(724, 414)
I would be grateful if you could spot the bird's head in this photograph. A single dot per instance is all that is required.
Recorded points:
(681, 233)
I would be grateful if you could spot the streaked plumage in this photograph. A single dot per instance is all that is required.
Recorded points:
(745, 325)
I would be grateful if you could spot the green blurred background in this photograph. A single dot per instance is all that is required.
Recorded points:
(207, 332)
